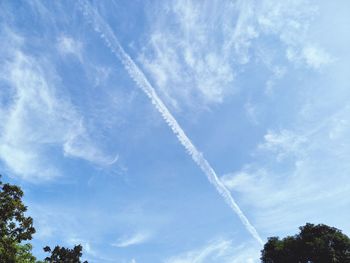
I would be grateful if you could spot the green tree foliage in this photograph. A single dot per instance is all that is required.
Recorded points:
(24, 254)
(62, 254)
(15, 227)
(314, 244)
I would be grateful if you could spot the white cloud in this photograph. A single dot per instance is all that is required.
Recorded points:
(67, 45)
(37, 118)
(219, 251)
(78, 144)
(308, 183)
(195, 60)
(238, 181)
(283, 143)
(32, 118)
(202, 255)
(316, 57)
(186, 62)
(101, 75)
(277, 74)
(251, 112)
(136, 239)
(310, 55)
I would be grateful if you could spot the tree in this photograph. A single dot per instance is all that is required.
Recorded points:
(24, 254)
(62, 254)
(15, 227)
(314, 244)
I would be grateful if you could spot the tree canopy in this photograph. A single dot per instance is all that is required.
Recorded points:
(16, 227)
(62, 254)
(313, 244)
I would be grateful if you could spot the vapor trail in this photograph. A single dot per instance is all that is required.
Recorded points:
(106, 33)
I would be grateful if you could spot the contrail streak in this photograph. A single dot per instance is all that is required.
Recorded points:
(106, 33)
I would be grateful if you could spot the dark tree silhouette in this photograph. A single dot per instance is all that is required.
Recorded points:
(62, 254)
(15, 227)
(314, 244)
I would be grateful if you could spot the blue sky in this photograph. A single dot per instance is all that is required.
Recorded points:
(176, 131)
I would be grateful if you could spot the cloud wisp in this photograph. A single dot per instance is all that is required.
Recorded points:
(222, 250)
(37, 117)
(135, 239)
(314, 182)
(106, 33)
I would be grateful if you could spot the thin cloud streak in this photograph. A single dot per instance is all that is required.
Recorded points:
(38, 118)
(135, 239)
(101, 27)
(222, 250)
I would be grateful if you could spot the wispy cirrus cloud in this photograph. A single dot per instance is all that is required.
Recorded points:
(67, 45)
(135, 239)
(196, 60)
(283, 143)
(312, 55)
(185, 59)
(299, 174)
(222, 250)
(36, 117)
